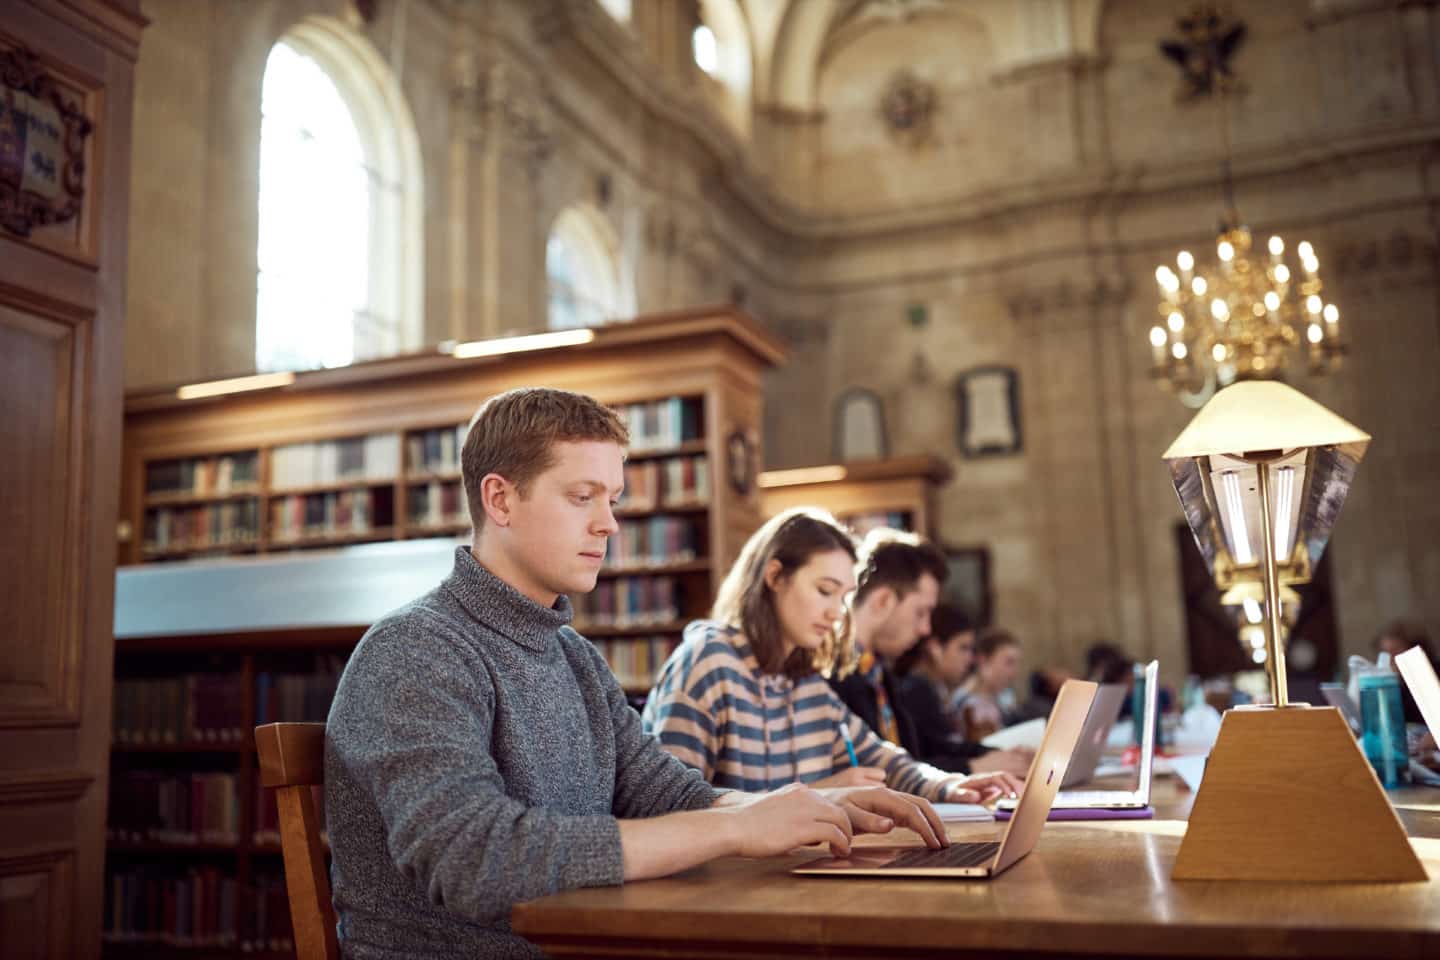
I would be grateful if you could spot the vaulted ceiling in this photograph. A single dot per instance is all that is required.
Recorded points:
(791, 40)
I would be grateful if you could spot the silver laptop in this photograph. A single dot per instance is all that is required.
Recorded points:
(986, 858)
(1336, 695)
(1136, 799)
(1096, 735)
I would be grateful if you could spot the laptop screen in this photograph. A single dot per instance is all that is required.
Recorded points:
(1147, 737)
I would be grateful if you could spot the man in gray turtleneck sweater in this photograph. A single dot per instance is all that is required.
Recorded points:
(479, 752)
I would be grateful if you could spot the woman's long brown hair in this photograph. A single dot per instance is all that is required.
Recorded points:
(745, 600)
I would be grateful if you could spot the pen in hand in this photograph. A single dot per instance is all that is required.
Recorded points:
(849, 744)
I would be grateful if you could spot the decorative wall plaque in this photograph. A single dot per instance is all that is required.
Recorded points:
(42, 146)
(907, 106)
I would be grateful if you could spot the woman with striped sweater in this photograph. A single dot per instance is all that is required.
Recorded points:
(744, 698)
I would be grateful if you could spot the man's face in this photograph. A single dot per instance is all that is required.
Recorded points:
(909, 620)
(558, 531)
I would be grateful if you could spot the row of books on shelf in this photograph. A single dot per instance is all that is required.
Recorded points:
(435, 451)
(629, 602)
(297, 697)
(663, 423)
(199, 907)
(204, 475)
(155, 807)
(676, 481)
(636, 659)
(336, 513)
(191, 708)
(862, 523)
(373, 457)
(655, 541)
(436, 503)
(200, 528)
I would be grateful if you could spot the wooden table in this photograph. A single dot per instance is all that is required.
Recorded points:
(1098, 888)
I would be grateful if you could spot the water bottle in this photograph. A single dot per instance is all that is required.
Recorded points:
(1382, 725)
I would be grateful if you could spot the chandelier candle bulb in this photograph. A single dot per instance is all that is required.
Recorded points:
(1178, 351)
(1198, 286)
(1282, 274)
(1332, 314)
(1277, 248)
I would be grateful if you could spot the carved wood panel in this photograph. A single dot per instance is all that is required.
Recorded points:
(41, 388)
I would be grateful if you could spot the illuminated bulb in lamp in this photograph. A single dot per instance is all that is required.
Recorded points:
(1219, 309)
(1306, 251)
(1313, 303)
(1218, 352)
(1277, 246)
(1178, 351)
(1226, 250)
(1198, 286)
(1314, 334)
(1157, 336)
(1185, 261)
(1176, 321)
(1253, 612)
(1272, 300)
(1282, 273)
(1332, 313)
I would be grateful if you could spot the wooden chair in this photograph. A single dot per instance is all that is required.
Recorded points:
(292, 760)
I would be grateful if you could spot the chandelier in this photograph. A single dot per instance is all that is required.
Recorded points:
(1242, 319)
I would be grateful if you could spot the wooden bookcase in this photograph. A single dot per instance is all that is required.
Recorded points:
(896, 492)
(259, 461)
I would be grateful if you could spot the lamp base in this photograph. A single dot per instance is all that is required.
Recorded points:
(1288, 795)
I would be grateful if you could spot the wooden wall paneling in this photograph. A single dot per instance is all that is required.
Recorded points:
(62, 299)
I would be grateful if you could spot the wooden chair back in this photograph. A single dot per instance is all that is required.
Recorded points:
(292, 760)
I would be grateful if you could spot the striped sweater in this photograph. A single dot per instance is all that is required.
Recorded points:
(713, 709)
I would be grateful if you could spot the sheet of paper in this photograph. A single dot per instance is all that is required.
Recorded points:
(1190, 769)
(1027, 734)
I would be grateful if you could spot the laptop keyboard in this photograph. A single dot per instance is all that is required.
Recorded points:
(955, 855)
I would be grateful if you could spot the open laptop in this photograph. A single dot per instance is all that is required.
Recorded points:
(1093, 739)
(1137, 799)
(1424, 686)
(985, 858)
(1336, 695)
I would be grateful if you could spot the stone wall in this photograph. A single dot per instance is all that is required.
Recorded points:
(1061, 172)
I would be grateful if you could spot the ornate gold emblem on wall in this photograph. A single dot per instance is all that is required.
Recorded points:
(908, 108)
(42, 146)
(1210, 36)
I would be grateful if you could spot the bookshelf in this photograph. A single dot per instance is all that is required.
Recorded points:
(896, 492)
(349, 502)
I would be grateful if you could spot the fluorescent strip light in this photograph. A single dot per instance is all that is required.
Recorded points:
(1239, 535)
(218, 388)
(1284, 506)
(533, 341)
(790, 478)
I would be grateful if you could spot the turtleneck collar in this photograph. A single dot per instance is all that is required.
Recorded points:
(502, 608)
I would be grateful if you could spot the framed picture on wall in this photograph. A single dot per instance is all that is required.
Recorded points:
(987, 401)
(859, 426)
(967, 585)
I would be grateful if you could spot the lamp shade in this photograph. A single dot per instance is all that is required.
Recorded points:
(1310, 455)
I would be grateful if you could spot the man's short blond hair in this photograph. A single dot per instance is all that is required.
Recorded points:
(513, 434)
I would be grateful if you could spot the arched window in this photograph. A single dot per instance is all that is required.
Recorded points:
(702, 47)
(619, 9)
(720, 45)
(340, 235)
(582, 269)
